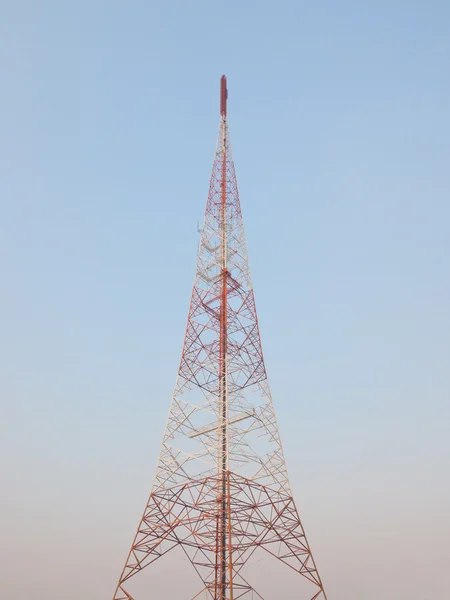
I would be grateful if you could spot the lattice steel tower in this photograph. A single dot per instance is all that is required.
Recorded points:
(221, 489)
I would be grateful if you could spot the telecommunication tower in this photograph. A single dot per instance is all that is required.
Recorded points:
(221, 489)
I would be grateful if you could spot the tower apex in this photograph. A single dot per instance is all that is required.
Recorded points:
(223, 96)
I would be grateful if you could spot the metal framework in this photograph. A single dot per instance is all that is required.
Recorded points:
(221, 489)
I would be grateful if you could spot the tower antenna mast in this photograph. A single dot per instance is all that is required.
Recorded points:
(221, 490)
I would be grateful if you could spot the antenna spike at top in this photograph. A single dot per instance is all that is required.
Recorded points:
(223, 96)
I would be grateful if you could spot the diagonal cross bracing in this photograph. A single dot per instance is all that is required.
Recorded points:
(221, 490)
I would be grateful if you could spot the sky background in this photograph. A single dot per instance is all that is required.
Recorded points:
(340, 124)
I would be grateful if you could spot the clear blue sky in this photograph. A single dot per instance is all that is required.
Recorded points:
(340, 123)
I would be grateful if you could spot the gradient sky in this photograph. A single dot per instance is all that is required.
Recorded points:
(340, 123)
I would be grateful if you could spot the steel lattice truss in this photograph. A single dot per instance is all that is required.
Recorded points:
(221, 489)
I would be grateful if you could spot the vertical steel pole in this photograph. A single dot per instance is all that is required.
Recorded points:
(223, 500)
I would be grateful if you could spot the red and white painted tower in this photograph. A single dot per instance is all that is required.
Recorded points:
(221, 489)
